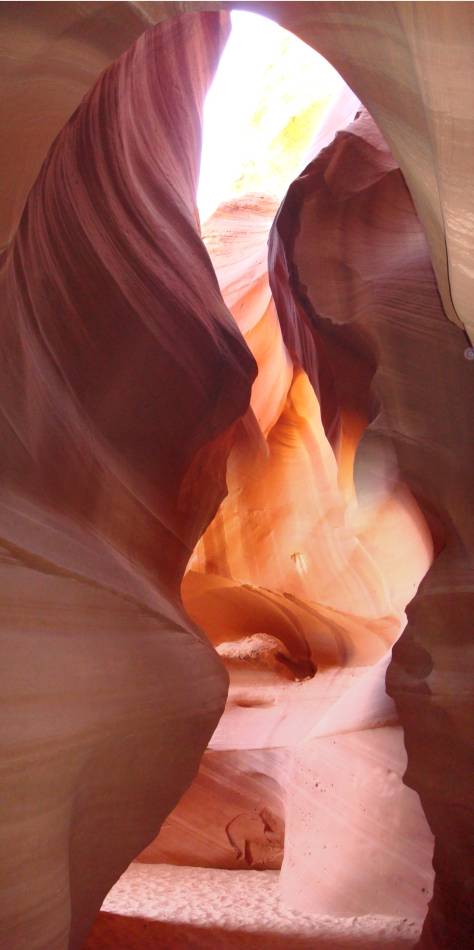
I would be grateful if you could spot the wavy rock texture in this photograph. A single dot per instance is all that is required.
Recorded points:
(397, 58)
(369, 291)
(51, 57)
(394, 56)
(118, 365)
(302, 609)
(130, 398)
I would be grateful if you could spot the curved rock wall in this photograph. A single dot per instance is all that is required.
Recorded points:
(361, 270)
(130, 396)
(119, 361)
(303, 591)
(411, 65)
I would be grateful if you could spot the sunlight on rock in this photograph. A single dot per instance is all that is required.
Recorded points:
(237, 557)
(269, 96)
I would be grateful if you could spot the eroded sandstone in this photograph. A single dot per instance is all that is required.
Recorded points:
(329, 398)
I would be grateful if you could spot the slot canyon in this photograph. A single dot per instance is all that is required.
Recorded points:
(237, 532)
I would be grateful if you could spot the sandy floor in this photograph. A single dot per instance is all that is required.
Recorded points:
(158, 907)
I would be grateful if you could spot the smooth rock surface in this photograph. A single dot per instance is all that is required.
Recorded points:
(110, 692)
(369, 291)
(302, 590)
(131, 403)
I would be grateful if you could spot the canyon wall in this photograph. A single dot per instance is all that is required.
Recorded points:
(360, 269)
(330, 402)
(118, 365)
(303, 592)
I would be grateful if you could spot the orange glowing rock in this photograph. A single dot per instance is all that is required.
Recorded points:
(252, 435)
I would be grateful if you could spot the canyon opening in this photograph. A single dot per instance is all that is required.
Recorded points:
(237, 539)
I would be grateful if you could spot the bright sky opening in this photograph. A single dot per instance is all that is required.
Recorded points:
(269, 97)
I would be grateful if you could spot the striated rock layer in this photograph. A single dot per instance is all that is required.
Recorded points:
(130, 402)
(119, 362)
(359, 266)
(303, 592)
(411, 65)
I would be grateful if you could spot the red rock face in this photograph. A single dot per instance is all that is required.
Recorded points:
(118, 365)
(361, 272)
(300, 614)
(396, 57)
(203, 448)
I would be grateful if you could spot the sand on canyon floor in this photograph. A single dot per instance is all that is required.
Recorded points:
(181, 908)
